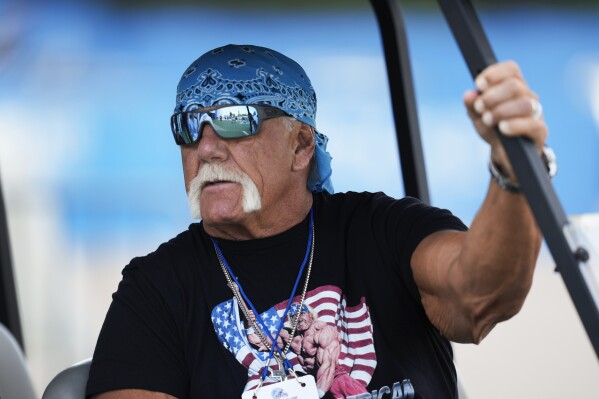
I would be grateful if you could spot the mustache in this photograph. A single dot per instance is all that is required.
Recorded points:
(213, 173)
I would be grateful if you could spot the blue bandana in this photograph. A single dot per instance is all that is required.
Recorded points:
(246, 74)
(295, 309)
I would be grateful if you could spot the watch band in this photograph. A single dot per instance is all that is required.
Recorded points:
(547, 156)
(550, 160)
(501, 179)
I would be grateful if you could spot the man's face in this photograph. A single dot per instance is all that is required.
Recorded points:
(304, 322)
(266, 159)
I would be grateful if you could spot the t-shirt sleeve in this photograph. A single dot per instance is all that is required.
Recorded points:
(139, 343)
(406, 223)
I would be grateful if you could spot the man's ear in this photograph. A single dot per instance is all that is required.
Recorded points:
(304, 149)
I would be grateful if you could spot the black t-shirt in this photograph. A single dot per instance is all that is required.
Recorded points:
(173, 326)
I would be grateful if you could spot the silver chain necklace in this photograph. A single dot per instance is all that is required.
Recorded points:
(246, 312)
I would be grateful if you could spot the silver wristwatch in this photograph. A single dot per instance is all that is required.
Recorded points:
(547, 156)
(550, 160)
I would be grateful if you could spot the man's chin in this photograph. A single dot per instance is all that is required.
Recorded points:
(223, 209)
(220, 216)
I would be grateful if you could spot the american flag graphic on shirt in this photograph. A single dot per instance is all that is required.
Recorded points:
(353, 325)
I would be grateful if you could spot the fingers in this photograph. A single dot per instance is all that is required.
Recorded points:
(469, 98)
(496, 73)
(504, 90)
(505, 100)
(513, 108)
(533, 128)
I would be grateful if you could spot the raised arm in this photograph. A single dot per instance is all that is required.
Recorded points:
(471, 281)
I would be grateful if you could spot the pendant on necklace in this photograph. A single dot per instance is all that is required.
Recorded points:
(280, 374)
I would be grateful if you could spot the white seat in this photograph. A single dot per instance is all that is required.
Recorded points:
(15, 381)
(69, 383)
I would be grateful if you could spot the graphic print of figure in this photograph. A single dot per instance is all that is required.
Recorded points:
(255, 340)
(318, 346)
(333, 341)
(252, 336)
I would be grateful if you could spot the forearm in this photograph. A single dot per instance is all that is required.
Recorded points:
(470, 281)
(326, 370)
(496, 262)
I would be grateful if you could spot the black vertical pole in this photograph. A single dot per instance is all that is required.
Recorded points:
(532, 174)
(9, 310)
(403, 101)
(474, 45)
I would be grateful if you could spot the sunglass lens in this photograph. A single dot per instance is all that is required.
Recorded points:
(229, 123)
(235, 121)
(185, 128)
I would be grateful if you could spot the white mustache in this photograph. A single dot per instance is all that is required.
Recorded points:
(210, 173)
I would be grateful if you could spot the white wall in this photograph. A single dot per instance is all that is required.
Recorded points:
(543, 352)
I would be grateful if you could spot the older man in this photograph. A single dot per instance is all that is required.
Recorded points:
(392, 280)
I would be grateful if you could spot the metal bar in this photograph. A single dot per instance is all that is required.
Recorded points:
(537, 188)
(9, 310)
(403, 102)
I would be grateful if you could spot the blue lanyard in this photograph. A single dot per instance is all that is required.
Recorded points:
(287, 364)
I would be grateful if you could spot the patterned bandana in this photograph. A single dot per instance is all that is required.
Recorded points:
(295, 309)
(246, 74)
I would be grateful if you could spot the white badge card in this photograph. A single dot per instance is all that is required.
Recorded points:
(288, 389)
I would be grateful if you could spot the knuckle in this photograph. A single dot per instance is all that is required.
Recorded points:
(525, 106)
(543, 128)
(516, 86)
(538, 129)
(513, 65)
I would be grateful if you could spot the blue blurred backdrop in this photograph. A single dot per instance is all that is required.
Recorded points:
(92, 176)
(90, 89)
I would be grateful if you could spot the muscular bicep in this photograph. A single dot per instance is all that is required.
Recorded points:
(327, 334)
(132, 394)
(434, 264)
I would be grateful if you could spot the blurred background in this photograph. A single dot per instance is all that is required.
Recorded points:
(91, 175)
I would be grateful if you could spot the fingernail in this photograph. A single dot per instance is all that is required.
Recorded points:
(481, 83)
(504, 127)
(479, 105)
(488, 118)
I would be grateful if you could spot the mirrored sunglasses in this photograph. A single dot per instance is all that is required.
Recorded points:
(228, 122)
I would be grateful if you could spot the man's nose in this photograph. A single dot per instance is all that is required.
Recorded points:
(211, 147)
